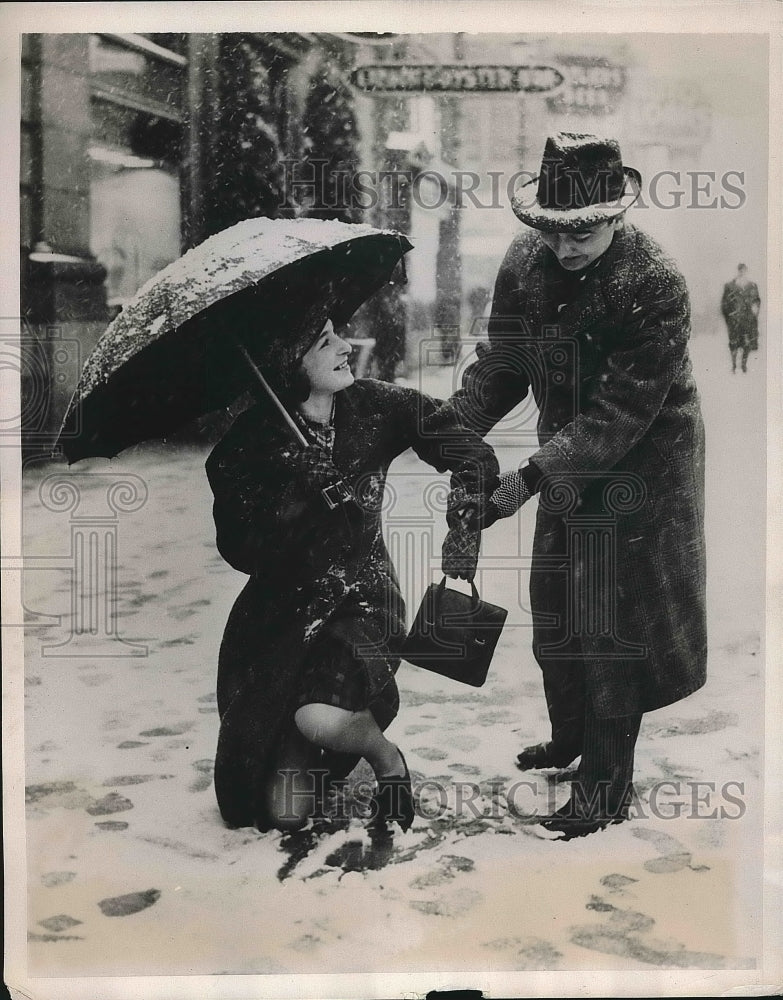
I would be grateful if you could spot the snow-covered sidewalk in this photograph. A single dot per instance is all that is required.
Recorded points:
(131, 872)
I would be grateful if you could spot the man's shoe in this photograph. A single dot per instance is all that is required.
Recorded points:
(567, 821)
(546, 755)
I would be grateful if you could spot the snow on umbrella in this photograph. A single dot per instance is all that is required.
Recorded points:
(161, 362)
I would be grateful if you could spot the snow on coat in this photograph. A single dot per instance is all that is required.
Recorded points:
(619, 552)
(312, 569)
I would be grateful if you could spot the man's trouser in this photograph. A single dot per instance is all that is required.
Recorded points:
(604, 781)
(606, 746)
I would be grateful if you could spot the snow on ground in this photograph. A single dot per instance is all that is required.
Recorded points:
(131, 872)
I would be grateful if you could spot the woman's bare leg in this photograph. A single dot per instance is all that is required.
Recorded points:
(350, 732)
(358, 733)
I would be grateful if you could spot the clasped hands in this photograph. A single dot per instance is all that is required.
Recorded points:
(467, 514)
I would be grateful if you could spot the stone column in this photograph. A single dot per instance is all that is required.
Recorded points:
(63, 296)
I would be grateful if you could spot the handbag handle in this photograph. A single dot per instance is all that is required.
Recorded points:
(442, 590)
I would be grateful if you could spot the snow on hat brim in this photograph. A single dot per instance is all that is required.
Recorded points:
(573, 219)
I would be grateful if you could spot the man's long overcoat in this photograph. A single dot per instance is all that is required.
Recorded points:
(739, 305)
(314, 572)
(618, 571)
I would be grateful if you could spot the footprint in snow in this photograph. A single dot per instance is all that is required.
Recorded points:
(620, 940)
(133, 779)
(536, 955)
(447, 868)
(61, 922)
(111, 803)
(183, 640)
(453, 905)
(674, 855)
(627, 920)
(465, 769)
(52, 879)
(430, 753)
(167, 730)
(54, 794)
(132, 902)
(617, 883)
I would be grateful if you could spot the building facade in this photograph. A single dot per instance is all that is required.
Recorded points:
(134, 148)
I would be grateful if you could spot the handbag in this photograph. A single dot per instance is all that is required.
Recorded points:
(454, 634)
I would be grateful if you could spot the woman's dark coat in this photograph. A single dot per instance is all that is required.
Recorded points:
(739, 305)
(618, 571)
(313, 572)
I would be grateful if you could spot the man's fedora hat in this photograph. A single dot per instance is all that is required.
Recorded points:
(582, 182)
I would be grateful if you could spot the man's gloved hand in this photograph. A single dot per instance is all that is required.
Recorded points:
(467, 508)
(511, 492)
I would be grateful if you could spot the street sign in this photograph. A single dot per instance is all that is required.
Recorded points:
(593, 86)
(456, 77)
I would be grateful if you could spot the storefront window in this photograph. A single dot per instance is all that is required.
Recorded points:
(135, 158)
(116, 67)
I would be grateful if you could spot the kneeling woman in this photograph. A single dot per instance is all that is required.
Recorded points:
(306, 674)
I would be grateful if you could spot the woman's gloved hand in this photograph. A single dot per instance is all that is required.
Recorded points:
(461, 549)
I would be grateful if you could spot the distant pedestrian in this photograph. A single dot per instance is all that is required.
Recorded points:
(740, 306)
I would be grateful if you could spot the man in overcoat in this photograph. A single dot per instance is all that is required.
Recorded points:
(591, 315)
(740, 304)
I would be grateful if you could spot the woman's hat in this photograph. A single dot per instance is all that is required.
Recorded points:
(300, 326)
(582, 182)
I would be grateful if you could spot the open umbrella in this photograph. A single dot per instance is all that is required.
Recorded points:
(161, 362)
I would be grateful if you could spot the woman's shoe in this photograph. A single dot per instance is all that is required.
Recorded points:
(393, 800)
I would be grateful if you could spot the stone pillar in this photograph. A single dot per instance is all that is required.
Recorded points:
(63, 297)
(202, 111)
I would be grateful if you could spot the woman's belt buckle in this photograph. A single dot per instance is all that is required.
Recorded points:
(337, 493)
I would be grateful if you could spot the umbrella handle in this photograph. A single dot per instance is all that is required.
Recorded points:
(273, 396)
